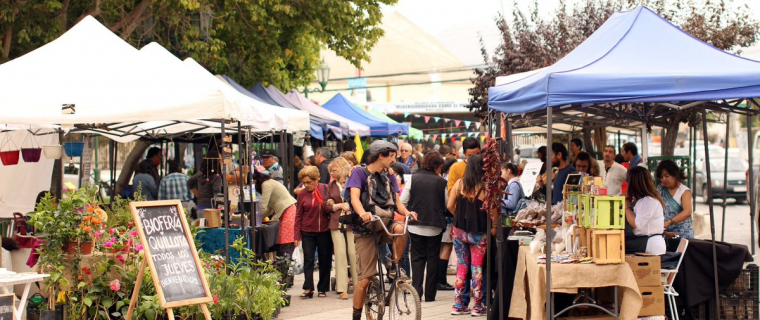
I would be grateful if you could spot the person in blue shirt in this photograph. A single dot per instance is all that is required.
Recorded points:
(559, 160)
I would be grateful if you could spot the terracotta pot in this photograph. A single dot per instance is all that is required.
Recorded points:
(71, 247)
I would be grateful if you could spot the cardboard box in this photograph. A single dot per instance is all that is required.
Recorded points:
(652, 301)
(646, 269)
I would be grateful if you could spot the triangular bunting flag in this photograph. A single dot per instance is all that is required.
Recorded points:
(427, 119)
(485, 134)
(477, 125)
(435, 137)
(469, 134)
(457, 122)
(467, 124)
(482, 138)
(406, 114)
(416, 115)
(443, 135)
(462, 138)
(436, 119)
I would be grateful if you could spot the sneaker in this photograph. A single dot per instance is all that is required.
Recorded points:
(479, 312)
(459, 311)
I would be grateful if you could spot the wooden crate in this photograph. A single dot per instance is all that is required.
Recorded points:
(585, 210)
(608, 246)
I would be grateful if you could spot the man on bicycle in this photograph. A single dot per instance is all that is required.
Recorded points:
(382, 201)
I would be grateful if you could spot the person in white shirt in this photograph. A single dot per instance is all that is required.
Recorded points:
(644, 213)
(613, 174)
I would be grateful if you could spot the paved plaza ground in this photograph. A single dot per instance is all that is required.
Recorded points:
(332, 308)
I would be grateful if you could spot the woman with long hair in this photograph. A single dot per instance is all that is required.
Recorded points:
(644, 214)
(342, 235)
(277, 203)
(470, 227)
(677, 199)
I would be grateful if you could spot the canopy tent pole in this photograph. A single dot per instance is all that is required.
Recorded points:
(752, 181)
(619, 144)
(226, 215)
(644, 142)
(111, 171)
(241, 182)
(712, 214)
(254, 204)
(489, 224)
(725, 177)
(693, 151)
(549, 185)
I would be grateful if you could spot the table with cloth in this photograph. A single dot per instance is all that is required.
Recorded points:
(212, 239)
(529, 293)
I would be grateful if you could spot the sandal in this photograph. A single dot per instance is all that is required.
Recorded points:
(343, 296)
(308, 294)
(322, 295)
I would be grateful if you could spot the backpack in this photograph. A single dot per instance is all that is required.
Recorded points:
(378, 198)
(521, 202)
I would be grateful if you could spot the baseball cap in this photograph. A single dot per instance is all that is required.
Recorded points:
(380, 146)
(268, 153)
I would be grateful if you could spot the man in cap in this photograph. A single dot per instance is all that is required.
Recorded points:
(270, 162)
(382, 155)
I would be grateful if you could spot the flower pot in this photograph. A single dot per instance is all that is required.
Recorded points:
(31, 154)
(9, 158)
(56, 314)
(71, 247)
(73, 149)
(53, 151)
(287, 298)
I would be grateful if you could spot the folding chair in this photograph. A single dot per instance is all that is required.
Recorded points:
(669, 276)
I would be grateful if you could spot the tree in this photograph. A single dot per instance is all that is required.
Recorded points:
(271, 41)
(533, 43)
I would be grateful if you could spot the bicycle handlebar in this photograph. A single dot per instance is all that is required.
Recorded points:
(406, 224)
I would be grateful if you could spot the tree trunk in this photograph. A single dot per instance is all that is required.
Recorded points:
(7, 42)
(587, 137)
(668, 146)
(130, 164)
(600, 138)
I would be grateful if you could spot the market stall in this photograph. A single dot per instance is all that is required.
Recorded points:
(635, 67)
(378, 128)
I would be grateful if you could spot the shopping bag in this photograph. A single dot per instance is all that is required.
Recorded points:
(298, 260)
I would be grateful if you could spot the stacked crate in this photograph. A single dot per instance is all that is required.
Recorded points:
(602, 219)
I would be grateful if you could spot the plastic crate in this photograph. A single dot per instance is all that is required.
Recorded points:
(746, 284)
(744, 308)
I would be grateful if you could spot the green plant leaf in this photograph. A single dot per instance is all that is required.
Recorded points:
(87, 301)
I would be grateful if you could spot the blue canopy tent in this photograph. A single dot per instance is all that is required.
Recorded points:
(339, 129)
(318, 126)
(377, 127)
(636, 67)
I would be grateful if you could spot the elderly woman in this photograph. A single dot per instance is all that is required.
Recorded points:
(677, 198)
(312, 213)
(644, 215)
(277, 203)
(342, 235)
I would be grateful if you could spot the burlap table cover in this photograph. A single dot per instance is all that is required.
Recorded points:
(529, 294)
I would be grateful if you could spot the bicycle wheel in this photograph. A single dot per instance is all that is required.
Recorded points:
(405, 303)
(374, 303)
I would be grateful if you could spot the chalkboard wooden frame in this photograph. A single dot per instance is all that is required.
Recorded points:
(134, 206)
(13, 304)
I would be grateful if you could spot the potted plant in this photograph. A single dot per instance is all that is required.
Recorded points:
(285, 266)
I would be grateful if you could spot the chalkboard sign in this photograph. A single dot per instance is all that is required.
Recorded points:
(7, 306)
(170, 251)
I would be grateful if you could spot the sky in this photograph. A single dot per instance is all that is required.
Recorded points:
(457, 23)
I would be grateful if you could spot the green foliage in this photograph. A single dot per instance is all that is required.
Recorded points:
(271, 41)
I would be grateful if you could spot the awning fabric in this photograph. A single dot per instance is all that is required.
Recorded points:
(414, 133)
(635, 56)
(306, 104)
(318, 126)
(105, 79)
(335, 126)
(378, 127)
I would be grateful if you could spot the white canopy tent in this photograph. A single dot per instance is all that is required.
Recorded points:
(105, 80)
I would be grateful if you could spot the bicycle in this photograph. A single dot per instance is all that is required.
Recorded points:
(401, 298)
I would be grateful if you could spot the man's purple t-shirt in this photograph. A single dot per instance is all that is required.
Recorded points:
(358, 179)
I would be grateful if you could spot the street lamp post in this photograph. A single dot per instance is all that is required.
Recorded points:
(323, 75)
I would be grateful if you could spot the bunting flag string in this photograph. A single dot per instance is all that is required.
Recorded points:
(406, 114)
(457, 122)
(477, 125)
(467, 124)
(416, 115)
(436, 119)
(435, 137)
(427, 118)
